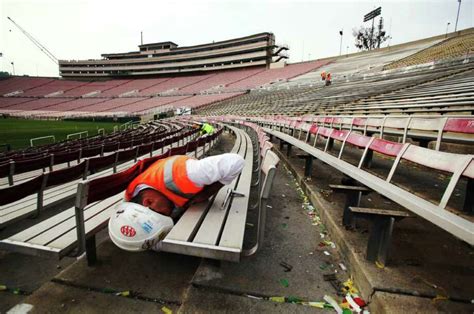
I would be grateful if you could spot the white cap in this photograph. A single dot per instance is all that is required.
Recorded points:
(133, 227)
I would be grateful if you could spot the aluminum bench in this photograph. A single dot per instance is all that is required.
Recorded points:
(434, 211)
(58, 236)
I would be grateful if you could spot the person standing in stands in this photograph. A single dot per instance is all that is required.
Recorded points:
(328, 79)
(323, 76)
(157, 197)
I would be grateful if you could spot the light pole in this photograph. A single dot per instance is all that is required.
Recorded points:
(447, 25)
(340, 45)
(13, 66)
(457, 17)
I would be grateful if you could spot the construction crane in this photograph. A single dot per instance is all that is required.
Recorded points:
(36, 42)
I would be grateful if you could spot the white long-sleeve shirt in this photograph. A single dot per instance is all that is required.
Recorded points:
(219, 168)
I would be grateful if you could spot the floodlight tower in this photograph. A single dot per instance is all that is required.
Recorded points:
(341, 32)
(371, 16)
(457, 17)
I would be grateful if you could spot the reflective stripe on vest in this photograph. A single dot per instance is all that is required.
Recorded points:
(169, 181)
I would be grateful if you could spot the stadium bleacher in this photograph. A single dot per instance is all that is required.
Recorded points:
(389, 141)
(457, 46)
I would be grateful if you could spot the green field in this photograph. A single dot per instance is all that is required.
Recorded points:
(17, 132)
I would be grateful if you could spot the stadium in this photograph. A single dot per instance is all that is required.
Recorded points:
(356, 193)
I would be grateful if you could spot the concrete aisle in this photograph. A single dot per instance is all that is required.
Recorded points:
(189, 284)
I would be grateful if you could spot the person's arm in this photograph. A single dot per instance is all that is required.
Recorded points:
(220, 168)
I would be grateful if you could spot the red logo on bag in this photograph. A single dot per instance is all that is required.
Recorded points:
(128, 231)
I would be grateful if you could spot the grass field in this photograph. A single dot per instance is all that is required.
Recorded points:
(17, 132)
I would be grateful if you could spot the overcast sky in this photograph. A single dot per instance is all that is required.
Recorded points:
(84, 29)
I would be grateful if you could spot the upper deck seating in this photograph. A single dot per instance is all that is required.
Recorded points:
(457, 46)
(54, 86)
(131, 86)
(201, 100)
(93, 88)
(6, 102)
(149, 103)
(221, 80)
(38, 104)
(173, 84)
(23, 84)
(273, 75)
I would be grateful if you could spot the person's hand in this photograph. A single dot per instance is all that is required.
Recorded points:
(206, 193)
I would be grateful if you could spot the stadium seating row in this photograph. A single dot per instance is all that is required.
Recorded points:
(59, 185)
(457, 46)
(63, 158)
(361, 94)
(336, 147)
(423, 129)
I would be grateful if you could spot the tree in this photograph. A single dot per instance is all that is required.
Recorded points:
(367, 38)
(4, 74)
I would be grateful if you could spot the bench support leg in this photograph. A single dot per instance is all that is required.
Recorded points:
(424, 143)
(379, 239)
(308, 166)
(91, 252)
(367, 163)
(352, 199)
(469, 198)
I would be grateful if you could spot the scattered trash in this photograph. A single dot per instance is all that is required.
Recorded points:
(291, 299)
(333, 303)
(324, 266)
(16, 291)
(123, 294)
(283, 195)
(327, 243)
(249, 224)
(441, 298)
(269, 206)
(166, 310)
(319, 305)
(348, 287)
(278, 299)
(310, 253)
(326, 253)
(287, 266)
(379, 265)
(284, 225)
(254, 297)
(353, 304)
(343, 267)
(284, 283)
(329, 277)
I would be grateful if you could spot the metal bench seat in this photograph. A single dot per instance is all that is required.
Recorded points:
(58, 235)
(46, 197)
(459, 165)
(215, 229)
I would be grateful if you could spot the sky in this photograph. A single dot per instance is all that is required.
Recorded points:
(84, 29)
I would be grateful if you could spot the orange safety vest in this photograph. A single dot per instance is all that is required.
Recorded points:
(169, 177)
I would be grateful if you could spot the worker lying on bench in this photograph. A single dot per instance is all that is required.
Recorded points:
(163, 192)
